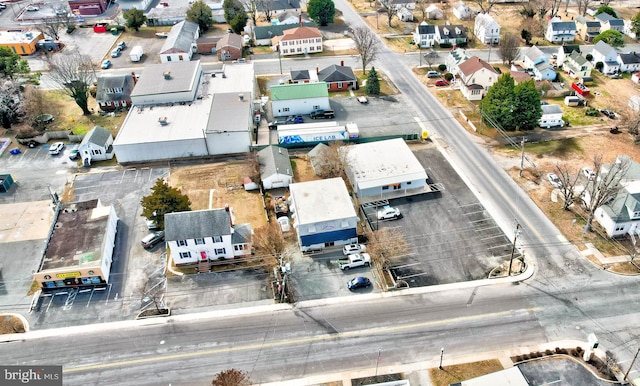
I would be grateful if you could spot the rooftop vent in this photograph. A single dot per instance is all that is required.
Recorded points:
(163, 121)
(241, 97)
(166, 74)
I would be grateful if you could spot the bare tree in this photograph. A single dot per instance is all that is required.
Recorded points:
(35, 104)
(332, 160)
(74, 73)
(605, 186)
(583, 5)
(630, 120)
(252, 168)
(251, 7)
(51, 27)
(431, 57)
(367, 45)
(389, 8)
(421, 6)
(268, 240)
(485, 5)
(266, 6)
(509, 48)
(231, 377)
(568, 180)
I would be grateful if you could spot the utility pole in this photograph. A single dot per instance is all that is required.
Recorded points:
(441, 355)
(522, 156)
(630, 366)
(378, 361)
(513, 248)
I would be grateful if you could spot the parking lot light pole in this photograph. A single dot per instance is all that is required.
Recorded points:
(513, 248)
(441, 355)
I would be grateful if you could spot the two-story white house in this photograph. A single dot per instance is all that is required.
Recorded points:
(451, 34)
(577, 66)
(462, 11)
(538, 63)
(475, 77)
(486, 29)
(564, 51)
(559, 31)
(621, 216)
(298, 41)
(425, 35)
(629, 62)
(323, 214)
(603, 52)
(201, 237)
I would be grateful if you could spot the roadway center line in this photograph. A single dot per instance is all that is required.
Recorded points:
(281, 343)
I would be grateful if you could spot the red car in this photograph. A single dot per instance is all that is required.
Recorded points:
(442, 82)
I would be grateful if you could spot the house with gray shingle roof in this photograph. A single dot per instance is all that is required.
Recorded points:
(538, 63)
(303, 76)
(603, 52)
(338, 78)
(559, 31)
(451, 34)
(262, 35)
(204, 237)
(181, 42)
(587, 29)
(424, 35)
(114, 91)
(97, 145)
(629, 62)
(577, 66)
(608, 22)
(621, 216)
(275, 167)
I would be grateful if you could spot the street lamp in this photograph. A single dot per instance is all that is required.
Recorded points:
(441, 355)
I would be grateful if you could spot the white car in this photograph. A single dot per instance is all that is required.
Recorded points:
(351, 249)
(388, 213)
(33, 8)
(554, 180)
(56, 148)
(589, 173)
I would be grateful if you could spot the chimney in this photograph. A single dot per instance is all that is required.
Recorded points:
(300, 20)
(317, 71)
(228, 210)
(342, 63)
(135, 78)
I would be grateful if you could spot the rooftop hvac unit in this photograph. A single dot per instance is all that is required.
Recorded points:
(167, 74)
(241, 97)
(163, 121)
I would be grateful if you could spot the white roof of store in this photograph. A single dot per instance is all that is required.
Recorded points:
(182, 77)
(383, 163)
(321, 200)
(220, 101)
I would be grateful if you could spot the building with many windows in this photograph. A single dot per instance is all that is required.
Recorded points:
(298, 41)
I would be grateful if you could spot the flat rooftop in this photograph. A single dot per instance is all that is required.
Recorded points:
(183, 77)
(382, 162)
(321, 200)
(14, 37)
(77, 237)
(219, 109)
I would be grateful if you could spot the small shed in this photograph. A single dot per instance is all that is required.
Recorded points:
(6, 181)
(275, 167)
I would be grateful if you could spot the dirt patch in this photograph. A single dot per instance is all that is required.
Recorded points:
(458, 373)
(10, 324)
(219, 184)
(302, 169)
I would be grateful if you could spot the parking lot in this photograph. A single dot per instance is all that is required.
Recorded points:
(451, 236)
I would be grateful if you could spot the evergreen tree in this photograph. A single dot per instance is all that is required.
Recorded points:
(163, 199)
(200, 13)
(235, 15)
(321, 11)
(527, 110)
(607, 9)
(135, 18)
(11, 64)
(373, 84)
(497, 105)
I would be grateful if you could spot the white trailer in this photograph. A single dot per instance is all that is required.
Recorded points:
(299, 134)
(136, 53)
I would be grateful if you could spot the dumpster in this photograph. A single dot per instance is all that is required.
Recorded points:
(6, 180)
(114, 31)
(100, 27)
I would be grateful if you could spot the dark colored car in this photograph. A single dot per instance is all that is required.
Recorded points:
(610, 114)
(327, 114)
(358, 282)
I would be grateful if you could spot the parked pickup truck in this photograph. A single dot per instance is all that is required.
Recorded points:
(327, 114)
(355, 261)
